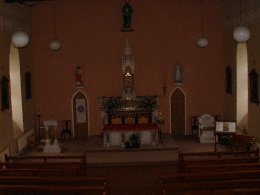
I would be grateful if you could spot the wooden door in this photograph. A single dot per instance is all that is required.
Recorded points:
(80, 115)
(178, 112)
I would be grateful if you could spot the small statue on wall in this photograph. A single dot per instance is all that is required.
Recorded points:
(78, 77)
(127, 15)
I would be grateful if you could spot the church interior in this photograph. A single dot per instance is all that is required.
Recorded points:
(129, 84)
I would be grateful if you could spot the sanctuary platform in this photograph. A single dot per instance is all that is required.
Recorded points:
(162, 153)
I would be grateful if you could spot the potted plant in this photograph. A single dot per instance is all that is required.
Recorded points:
(132, 142)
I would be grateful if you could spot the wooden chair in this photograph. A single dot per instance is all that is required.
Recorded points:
(116, 120)
(206, 129)
(194, 125)
(66, 129)
(143, 120)
(130, 120)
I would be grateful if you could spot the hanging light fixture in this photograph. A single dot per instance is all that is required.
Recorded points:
(202, 41)
(20, 38)
(241, 33)
(54, 43)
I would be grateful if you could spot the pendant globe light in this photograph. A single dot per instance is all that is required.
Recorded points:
(241, 33)
(202, 42)
(54, 43)
(20, 38)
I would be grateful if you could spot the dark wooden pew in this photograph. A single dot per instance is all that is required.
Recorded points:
(216, 158)
(45, 158)
(212, 187)
(229, 180)
(221, 167)
(184, 165)
(210, 176)
(195, 155)
(251, 191)
(53, 180)
(57, 184)
(41, 172)
(74, 163)
(48, 175)
(54, 189)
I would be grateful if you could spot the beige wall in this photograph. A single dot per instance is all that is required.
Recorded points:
(8, 140)
(230, 60)
(6, 132)
(165, 33)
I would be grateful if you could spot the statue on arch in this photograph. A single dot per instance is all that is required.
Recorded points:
(127, 15)
(78, 77)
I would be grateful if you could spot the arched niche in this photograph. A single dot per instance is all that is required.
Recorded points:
(178, 112)
(80, 115)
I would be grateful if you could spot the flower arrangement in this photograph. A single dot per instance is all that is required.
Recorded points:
(133, 142)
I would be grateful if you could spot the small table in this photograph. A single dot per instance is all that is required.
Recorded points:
(51, 148)
(225, 128)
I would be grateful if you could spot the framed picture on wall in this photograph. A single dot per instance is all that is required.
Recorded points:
(228, 80)
(253, 87)
(5, 93)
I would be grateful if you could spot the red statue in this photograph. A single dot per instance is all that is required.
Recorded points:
(78, 76)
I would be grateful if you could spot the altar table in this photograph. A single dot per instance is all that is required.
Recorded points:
(118, 134)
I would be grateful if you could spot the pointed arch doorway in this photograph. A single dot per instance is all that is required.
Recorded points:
(80, 122)
(178, 112)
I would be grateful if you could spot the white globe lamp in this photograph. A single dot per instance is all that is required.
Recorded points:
(241, 34)
(54, 45)
(202, 42)
(20, 39)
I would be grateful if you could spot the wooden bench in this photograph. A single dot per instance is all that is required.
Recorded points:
(184, 165)
(184, 155)
(49, 174)
(46, 159)
(54, 189)
(221, 191)
(50, 181)
(187, 160)
(229, 180)
(212, 187)
(41, 172)
(221, 167)
(54, 180)
(74, 163)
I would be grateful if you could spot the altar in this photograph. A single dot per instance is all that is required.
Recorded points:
(119, 134)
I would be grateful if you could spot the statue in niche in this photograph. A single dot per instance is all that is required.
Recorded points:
(128, 80)
(127, 15)
(78, 77)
